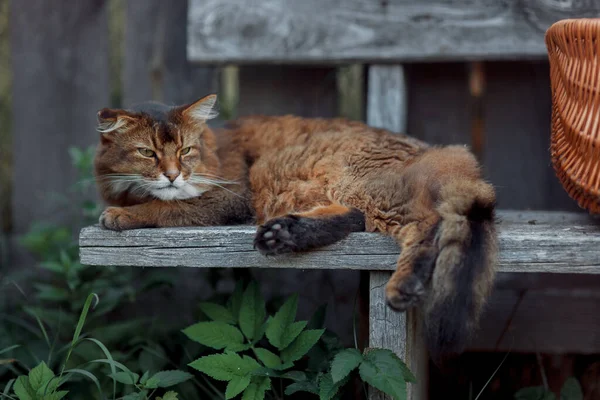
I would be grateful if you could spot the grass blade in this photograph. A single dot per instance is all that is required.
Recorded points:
(492, 377)
(8, 386)
(113, 362)
(6, 350)
(113, 367)
(79, 328)
(87, 375)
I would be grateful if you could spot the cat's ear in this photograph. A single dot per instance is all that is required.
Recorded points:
(201, 110)
(114, 120)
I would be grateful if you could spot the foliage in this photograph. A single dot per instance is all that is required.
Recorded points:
(256, 350)
(571, 390)
(59, 286)
(42, 383)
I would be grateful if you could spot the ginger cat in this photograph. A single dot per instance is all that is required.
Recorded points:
(309, 183)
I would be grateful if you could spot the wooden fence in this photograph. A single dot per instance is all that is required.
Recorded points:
(65, 67)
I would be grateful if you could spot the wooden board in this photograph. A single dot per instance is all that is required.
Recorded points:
(516, 154)
(568, 243)
(59, 54)
(155, 64)
(329, 31)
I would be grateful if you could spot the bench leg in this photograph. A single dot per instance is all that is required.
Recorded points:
(399, 332)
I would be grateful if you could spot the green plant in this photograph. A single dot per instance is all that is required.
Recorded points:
(256, 350)
(571, 390)
(41, 383)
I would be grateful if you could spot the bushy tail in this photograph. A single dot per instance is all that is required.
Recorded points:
(465, 266)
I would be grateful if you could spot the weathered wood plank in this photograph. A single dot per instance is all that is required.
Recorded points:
(60, 79)
(529, 241)
(515, 153)
(243, 31)
(155, 62)
(399, 332)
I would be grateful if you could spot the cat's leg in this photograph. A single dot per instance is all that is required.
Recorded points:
(216, 207)
(318, 227)
(407, 286)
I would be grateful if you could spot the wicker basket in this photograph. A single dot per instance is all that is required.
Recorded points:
(574, 52)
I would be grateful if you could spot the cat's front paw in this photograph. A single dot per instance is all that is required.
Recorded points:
(276, 236)
(409, 293)
(117, 219)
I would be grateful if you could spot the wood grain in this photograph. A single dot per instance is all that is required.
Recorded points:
(155, 62)
(59, 57)
(529, 241)
(323, 31)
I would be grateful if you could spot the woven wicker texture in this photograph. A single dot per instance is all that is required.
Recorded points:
(574, 52)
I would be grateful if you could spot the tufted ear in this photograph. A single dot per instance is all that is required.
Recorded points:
(201, 110)
(114, 120)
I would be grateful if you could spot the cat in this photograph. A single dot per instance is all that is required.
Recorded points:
(309, 183)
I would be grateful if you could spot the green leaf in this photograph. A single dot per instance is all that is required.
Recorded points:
(235, 301)
(252, 312)
(144, 378)
(303, 343)
(269, 359)
(328, 389)
(168, 396)
(126, 378)
(152, 383)
(380, 370)
(171, 378)
(295, 376)
(345, 362)
(23, 389)
(217, 312)
(57, 395)
(571, 390)
(281, 329)
(317, 321)
(223, 367)
(52, 266)
(80, 322)
(236, 386)
(40, 376)
(303, 386)
(217, 335)
(257, 388)
(534, 393)
(51, 293)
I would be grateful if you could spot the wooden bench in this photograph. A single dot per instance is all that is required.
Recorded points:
(382, 34)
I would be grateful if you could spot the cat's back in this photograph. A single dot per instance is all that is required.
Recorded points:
(261, 135)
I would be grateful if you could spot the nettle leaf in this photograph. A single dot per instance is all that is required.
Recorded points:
(302, 386)
(269, 359)
(303, 343)
(171, 378)
(126, 378)
(281, 329)
(168, 396)
(328, 389)
(236, 386)
(571, 390)
(40, 376)
(257, 388)
(145, 377)
(23, 389)
(226, 366)
(217, 335)
(217, 312)
(252, 312)
(382, 371)
(345, 362)
(56, 395)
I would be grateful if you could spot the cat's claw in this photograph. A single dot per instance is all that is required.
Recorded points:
(274, 237)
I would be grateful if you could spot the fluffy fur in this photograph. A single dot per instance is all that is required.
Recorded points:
(309, 183)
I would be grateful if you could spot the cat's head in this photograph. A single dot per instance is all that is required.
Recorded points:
(156, 151)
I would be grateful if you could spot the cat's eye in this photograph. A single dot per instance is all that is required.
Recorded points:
(185, 151)
(146, 152)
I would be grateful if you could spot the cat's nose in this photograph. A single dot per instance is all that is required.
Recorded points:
(171, 174)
